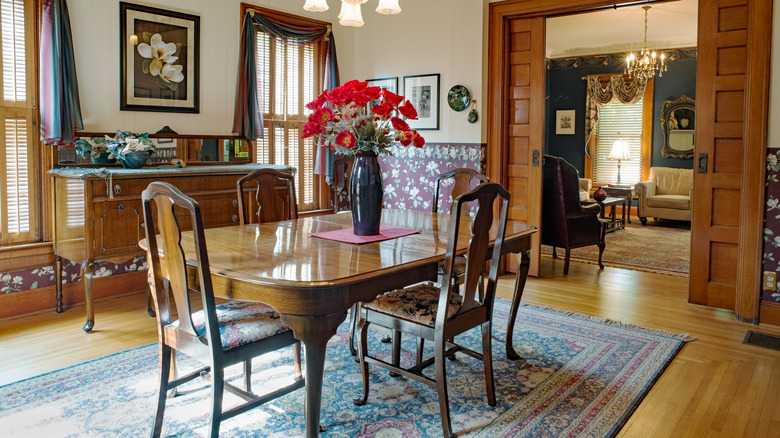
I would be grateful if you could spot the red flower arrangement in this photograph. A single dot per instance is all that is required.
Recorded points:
(349, 119)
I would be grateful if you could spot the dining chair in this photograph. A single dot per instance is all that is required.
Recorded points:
(441, 313)
(275, 196)
(462, 180)
(217, 336)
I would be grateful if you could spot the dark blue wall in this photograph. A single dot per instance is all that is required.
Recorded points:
(566, 91)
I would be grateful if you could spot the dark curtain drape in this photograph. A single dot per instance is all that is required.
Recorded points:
(603, 93)
(59, 89)
(248, 119)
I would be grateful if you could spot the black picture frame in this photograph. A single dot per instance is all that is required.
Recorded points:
(423, 92)
(390, 84)
(170, 83)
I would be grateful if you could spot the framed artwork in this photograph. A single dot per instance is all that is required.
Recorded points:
(159, 62)
(564, 122)
(423, 92)
(386, 83)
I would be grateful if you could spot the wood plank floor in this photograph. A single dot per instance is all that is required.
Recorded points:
(716, 386)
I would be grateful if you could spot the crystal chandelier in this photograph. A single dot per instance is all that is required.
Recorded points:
(647, 63)
(350, 14)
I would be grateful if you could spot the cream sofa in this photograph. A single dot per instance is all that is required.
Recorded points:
(667, 195)
(585, 185)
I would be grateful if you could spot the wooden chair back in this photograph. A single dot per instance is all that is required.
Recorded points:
(464, 180)
(275, 196)
(485, 196)
(166, 197)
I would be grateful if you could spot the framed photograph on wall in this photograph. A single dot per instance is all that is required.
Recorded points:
(423, 92)
(564, 122)
(386, 83)
(159, 60)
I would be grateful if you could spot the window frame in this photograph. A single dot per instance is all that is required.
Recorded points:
(647, 130)
(321, 194)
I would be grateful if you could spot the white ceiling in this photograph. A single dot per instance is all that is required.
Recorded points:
(670, 25)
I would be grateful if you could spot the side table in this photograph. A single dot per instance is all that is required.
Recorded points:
(622, 192)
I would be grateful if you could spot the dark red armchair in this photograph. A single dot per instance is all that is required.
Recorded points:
(565, 222)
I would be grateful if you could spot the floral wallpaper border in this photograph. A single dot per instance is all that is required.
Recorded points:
(772, 221)
(36, 278)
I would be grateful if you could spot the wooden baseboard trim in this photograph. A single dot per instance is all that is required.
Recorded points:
(43, 299)
(769, 313)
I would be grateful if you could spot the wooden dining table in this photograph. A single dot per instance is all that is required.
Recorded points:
(312, 282)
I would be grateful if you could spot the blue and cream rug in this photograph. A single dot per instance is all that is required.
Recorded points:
(578, 377)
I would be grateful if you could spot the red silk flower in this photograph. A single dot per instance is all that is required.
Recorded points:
(345, 139)
(418, 140)
(399, 124)
(383, 109)
(407, 109)
(391, 97)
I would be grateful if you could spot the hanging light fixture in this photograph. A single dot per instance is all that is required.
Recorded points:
(350, 14)
(647, 63)
(388, 7)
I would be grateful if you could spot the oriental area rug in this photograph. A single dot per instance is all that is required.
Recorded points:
(578, 376)
(663, 247)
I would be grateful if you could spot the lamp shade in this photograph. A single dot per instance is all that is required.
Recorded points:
(388, 7)
(619, 151)
(316, 5)
(350, 14)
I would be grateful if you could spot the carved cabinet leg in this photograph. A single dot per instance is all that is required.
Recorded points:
(87, 269)
(58, 280)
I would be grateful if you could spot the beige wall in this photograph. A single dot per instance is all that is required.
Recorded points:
(430, 36)
(95, 25)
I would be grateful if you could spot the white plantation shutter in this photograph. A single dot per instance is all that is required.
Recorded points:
(19, 191)
(287, 81)
(618, 121)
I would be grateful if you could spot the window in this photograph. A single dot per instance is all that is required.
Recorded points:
(19, 187)
(632, 123)
(287, 78)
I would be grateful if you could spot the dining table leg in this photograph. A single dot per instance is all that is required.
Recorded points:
(522, 276)
(314, 331)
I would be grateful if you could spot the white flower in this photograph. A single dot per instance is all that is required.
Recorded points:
(172, 73)
(18, 279)
(159, 52)
(772, 203)
(771, 159)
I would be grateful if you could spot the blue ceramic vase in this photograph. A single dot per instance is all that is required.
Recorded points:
(365, 193)
(103, 159)
(134, 160)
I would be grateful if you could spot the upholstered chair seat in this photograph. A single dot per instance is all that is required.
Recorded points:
(416, 303)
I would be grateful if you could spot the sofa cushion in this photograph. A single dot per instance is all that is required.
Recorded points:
(678, 202)
(671, 181)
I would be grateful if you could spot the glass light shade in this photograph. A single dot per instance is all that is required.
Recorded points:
(316, 5)
(350, 14)
(619, 150)
(388, 7)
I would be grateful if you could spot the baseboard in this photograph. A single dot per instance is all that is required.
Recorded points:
(770, 313)
(36, 300)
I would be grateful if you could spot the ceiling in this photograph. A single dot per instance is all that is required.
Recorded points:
(670, 25)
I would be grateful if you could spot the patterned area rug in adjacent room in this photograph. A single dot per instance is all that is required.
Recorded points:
(578, 377)
(663, 247)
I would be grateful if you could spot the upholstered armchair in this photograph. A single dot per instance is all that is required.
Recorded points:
(667, 195)
(566, 223)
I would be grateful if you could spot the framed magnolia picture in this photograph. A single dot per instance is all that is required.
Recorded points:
(423, 92)
(390, 84)
(564, 122)
(159, 60)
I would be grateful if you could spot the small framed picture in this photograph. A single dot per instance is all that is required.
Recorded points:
(564, 122)
(390, 84)
(423, 92)
(159, 60)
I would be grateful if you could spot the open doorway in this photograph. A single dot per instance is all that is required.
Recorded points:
(647, 168)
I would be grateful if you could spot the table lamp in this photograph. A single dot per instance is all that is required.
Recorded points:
(619, 152)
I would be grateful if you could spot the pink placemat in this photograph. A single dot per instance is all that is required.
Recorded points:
(347, 236)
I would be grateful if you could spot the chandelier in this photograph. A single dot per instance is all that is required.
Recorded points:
(647, 63)
(350, 14)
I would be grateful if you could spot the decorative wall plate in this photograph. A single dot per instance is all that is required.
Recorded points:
(458, 97)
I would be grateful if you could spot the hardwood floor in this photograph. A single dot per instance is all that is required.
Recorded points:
(716, 386)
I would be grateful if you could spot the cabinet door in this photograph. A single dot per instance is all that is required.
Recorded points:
(117, 227)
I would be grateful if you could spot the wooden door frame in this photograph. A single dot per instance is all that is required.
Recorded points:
(756, 122)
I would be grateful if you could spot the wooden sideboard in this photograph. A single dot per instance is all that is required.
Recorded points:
(98, 214)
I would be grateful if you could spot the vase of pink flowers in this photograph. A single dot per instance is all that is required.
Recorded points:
(356, 119)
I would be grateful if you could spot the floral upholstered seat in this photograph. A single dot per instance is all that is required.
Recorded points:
(241, 323)
(417, 303)
(460, 266)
